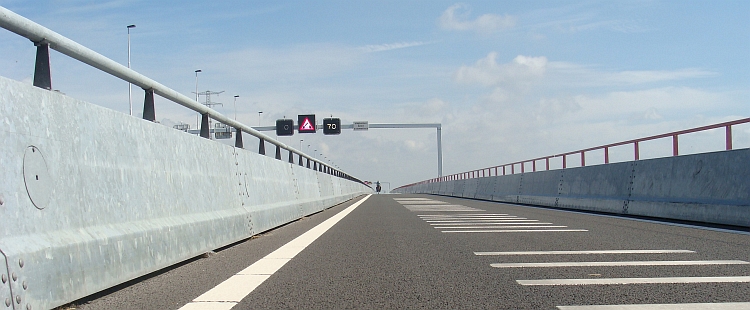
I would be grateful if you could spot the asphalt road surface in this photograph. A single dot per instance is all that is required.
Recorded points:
(434, 252)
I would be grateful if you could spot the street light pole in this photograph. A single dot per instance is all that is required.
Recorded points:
(197, 117)
(235, 106)
(259, 113)
(130, 85)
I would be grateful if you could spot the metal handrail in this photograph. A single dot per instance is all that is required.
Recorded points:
(41, 35)
(484, 172)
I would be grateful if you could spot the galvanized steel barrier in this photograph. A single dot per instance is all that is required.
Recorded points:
(91, 198)
(709, 187)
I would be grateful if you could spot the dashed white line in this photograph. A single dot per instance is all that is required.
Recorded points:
(513, 230)
(695, 306)
(495, 227)
(622, 263)
(671, 280)
(230, 292)
(586, 252)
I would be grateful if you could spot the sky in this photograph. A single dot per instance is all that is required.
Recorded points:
(508, 80)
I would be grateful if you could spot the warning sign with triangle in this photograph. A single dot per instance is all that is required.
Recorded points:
(306, 123)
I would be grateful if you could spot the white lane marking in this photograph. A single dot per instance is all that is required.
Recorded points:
(513, 230)
(234, 289)
(422, 203)
(399, 199)
(499, 217)
(498, 224)
(208, 306)
(585, 252)
(672, 280)
(623, 263)
(695, 306)
(462, 215)
(483, 227)
(521, 219)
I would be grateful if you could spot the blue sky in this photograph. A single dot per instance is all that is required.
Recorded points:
(509, 80)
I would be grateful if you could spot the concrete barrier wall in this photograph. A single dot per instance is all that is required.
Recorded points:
(710, 187)
(91, 198)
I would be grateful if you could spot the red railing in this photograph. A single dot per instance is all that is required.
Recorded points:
(511, 167)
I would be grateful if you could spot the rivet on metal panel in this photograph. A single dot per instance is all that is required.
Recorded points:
(14, 277)
(25, 285)
(20, 263)
(28, 306)
(7, 302)
(18, 299)
(5, 279)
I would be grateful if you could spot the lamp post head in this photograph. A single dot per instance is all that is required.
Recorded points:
(131, 26)
(236, 96)
(196, 71)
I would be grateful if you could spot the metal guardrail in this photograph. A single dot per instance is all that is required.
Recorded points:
(502, 169)
(45, 38)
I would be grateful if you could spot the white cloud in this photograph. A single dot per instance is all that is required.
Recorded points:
(455, 18)
(522, 71)
(390, 46)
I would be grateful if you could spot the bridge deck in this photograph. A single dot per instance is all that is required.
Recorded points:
(419, 251)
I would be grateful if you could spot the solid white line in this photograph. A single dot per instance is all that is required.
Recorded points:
(498, 225)
(399, 199)
(696, 306)
(513, 230)
(481, 227)
(673, 280)
(630, 263)
(586, 252)
(234, 289)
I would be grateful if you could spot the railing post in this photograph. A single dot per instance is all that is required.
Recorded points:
(729, 137)
(513, 169)
(205, 131)
(606, 155)
(238, 139)
(522, 167)
(675, 148)
(148, 106)
(308, 163)
(300, 159)
(278, 152)
(503, 169)
(262, 147)
(496, 171)
(291, 157)
(583, 159)
(565, 161)
(637, 152)
(533, 166)
(42, 75)
(546, 161)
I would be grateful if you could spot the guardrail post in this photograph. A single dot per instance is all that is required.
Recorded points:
(522, 166)
(238, 139)
(513, 169)
(291, 157)
(278, 152)
(308, 163)
(148, 106)
(637, 152)
(503, 170)
(262, 147)
(606, 155)
(300, 159)
(42, 75)
(533, 166)
(583, 159)
(675, 149)
(729, 137)
(205, 131)
(565, 162)
(546, 161)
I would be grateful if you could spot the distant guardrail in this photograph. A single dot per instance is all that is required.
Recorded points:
(45, 39)
(503, 169)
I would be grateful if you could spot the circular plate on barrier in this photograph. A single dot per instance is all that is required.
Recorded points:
(37, 178)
